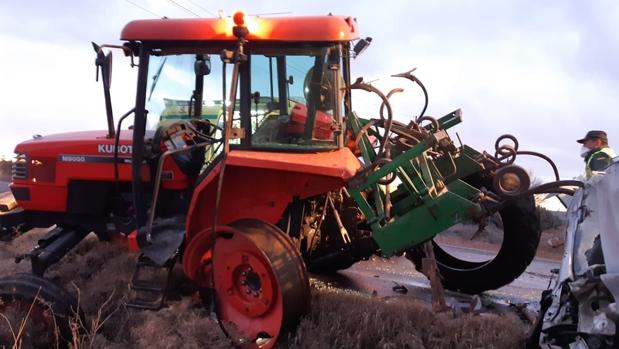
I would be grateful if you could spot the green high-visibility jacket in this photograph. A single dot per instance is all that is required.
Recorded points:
(598, 160)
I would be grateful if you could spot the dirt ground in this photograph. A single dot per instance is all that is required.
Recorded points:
(99, 273)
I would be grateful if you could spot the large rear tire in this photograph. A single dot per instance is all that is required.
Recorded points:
(261, 283)
(521, 236)
(45, 308)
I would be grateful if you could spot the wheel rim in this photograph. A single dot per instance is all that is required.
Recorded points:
(197, 258)
(260, 281)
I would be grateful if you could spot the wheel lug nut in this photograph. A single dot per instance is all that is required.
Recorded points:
(243, 273)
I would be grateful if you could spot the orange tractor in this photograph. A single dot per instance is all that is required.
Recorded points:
(246, 162)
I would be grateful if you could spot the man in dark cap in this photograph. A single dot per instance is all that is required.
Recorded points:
(596, 152)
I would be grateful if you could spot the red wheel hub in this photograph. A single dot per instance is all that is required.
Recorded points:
(248, 284)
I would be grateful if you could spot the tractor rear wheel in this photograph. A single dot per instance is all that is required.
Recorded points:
(521, 235)
(37, 313)
(260, 281)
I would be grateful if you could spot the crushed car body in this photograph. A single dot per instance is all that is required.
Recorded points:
(581, 310)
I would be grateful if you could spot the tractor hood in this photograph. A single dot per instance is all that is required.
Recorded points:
(78, 143)
(46, 166)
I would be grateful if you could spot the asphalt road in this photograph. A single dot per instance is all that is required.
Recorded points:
(4, 186)
(378, 276)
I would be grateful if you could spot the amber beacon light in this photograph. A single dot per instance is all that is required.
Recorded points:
(240, 29)
(239, 18)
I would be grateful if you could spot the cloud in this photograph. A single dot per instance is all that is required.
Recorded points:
(50, 88)
(543, 71)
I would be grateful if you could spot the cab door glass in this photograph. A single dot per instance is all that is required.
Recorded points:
(275, 124)
(264, 103)
(297, 68)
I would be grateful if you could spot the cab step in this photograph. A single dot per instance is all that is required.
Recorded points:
(150, 283)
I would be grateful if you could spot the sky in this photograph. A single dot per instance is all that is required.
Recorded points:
(544, 71)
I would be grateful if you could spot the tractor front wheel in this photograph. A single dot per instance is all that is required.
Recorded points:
(36, 313)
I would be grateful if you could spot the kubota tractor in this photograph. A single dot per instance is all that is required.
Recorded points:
(245, 162)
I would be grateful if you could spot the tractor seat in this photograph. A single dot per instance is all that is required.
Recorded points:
(298, 117)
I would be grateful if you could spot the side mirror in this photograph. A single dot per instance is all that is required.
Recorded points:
(256, 97)
(290, 80)
(361, 45)
(107, 72)
(202, 67)
(103, 62)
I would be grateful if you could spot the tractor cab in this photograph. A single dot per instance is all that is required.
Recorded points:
(244, 86)
(277, 95)
(290, 89)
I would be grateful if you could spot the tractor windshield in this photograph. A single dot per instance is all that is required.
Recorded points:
(171, 92)
(287, 96)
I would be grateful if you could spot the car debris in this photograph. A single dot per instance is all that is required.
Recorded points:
(580, 311)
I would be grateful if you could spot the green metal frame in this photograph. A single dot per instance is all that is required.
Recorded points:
(430, 196)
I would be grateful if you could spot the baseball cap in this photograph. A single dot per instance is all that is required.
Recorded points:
(593, 135)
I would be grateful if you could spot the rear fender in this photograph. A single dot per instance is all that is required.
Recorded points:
(260, 185)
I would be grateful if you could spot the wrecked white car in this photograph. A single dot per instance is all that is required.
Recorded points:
(581, 310)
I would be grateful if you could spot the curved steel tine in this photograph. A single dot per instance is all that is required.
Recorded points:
(391, 93)
(409, 76)
(360, 85)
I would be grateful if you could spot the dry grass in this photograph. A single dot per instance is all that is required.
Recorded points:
(339, 319)
(346, 319)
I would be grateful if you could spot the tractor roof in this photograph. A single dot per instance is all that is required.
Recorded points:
(289, 29)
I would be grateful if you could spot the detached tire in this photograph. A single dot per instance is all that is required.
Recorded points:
(521, 235)
(46, 307)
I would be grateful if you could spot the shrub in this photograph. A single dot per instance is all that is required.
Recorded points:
(550, 219)
(5, 170)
